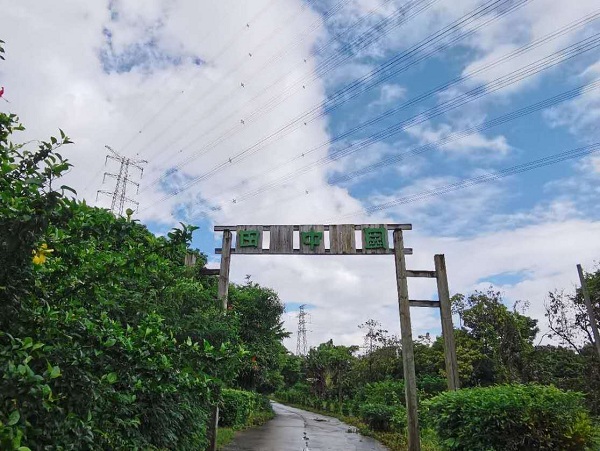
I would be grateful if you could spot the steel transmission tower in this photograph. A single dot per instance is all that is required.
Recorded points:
(119, 195)
(301, 344)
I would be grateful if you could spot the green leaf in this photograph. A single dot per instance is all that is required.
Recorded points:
(110, 342)
(55, 372)
(23, 448)
(111, 378)
(14, 418)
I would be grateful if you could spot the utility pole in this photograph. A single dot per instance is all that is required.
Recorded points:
(119, 195)
(301, 344)
(590, 308)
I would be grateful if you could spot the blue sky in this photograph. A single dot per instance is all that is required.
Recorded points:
(203, 90)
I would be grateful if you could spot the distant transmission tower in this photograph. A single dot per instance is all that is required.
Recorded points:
(301, 345)
(119, 195)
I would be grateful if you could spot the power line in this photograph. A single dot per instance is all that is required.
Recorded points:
(210, 90)
(337, 96)
(220, 53)
(418, 150)
(431, 93)
(474, 181)
(241, 124)
(442, 108)
(223, 100)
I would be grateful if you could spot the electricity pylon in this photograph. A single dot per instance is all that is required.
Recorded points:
(301, 344)
(119, 195)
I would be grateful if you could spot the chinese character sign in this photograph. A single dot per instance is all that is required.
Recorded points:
(248, 238)
(312, 238)
(375, 238)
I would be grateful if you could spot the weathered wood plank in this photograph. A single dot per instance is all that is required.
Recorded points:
(249, 239)
(210, 272)
(408, 355)
(222, 293)
(223, 289)
(326, 227)
(342, 239)
(282, 239)
(373, 236)
(312, 239)
(424, 303)
(447, 328)
(407, 251)
(420, 273)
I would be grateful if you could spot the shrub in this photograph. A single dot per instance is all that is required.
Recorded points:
(389, 393)
(377, 416)
(511, 417)
(298, 394)
(239, 406)
(430, 386)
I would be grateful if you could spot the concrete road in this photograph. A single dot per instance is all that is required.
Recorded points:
(298, 430)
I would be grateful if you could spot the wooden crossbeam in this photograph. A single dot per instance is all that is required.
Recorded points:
(420, 303)
(420, 273)
(326, 227)
(209, 271)
(407, 251)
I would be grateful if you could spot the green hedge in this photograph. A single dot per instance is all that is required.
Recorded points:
(390, 393)
(512, 417)
(380, 417)
(237, 407)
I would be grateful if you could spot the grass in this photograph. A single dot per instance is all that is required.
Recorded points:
(395, 441)
(226, 435)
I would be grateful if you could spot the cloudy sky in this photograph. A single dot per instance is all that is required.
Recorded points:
(320, 111)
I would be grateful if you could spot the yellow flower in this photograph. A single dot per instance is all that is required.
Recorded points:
(39, 256)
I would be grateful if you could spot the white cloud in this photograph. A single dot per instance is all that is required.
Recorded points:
(581, 115)
(475, 145)
(176, 72)
(388, 94)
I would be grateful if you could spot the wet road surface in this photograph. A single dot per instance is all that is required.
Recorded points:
(298, 430)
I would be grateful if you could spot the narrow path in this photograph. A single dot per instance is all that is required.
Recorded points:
(298, 430)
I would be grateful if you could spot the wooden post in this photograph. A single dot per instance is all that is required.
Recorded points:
(408, 356)
(590, 308)
(447, 328)
(224, 272)
(223, 292)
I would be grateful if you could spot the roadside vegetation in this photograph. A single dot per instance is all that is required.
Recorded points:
(107, 340)
(515, 395)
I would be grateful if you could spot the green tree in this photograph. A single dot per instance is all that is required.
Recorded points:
(328, 370)
(504, 337)
(258, 311)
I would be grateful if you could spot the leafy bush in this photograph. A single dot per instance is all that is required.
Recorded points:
(298, 394)
(389, 393)
(238, 407)
(430, 386)
(511, 417)
(377, 416)
(108, 341)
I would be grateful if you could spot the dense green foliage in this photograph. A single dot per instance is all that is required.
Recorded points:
(495, 347)
(512, 417)
(237, 407)
(107, 341)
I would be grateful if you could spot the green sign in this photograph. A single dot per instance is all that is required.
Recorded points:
(248, 238)
(311, 239)
(375, 238)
